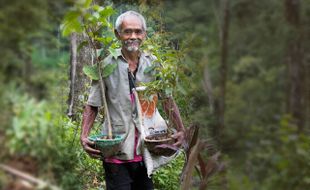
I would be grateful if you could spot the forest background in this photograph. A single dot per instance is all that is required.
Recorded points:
(244, 80)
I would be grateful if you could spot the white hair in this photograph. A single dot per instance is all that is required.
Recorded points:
(121, 18)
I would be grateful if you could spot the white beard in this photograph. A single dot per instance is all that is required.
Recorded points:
(132, 48)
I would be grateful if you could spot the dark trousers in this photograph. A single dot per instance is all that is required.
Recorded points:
(127, 176)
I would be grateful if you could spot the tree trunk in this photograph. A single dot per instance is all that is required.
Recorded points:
(24, 54)
(307, 87)
(295, 67)
(223, 73)
(223, 64)
(77, 78)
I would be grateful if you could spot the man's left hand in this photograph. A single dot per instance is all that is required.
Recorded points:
(179, 137)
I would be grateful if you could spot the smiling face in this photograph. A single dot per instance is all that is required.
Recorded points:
(131, 33)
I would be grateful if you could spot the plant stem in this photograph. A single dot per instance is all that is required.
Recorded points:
(102, 87)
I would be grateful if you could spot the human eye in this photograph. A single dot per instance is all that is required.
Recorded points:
(127, 31)
(139, 31)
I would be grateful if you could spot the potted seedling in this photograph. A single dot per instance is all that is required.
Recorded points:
(164, 68)
(93, 22)
(157, 134)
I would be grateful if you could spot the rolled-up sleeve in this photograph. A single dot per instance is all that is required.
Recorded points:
(94, 98)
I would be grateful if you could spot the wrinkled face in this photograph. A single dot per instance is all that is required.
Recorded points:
(131, 34)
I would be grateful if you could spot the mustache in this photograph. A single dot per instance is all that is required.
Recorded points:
(132, 41)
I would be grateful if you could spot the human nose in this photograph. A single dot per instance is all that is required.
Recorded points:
(133, 35)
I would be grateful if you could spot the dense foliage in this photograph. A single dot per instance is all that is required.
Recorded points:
(262, 145)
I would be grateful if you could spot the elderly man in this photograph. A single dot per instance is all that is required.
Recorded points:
(129, 169)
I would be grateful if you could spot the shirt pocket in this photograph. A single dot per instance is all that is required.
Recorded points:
(118, 128)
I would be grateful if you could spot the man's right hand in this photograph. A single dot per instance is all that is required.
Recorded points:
(89, 115)
(88, 147)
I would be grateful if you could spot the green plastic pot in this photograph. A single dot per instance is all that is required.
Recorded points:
(108, 147)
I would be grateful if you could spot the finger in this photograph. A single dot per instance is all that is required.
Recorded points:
(175, 136)
(178, 143)
(86, 143)
(95, 155)
(86, 140)
(91, 150)
(167, 146)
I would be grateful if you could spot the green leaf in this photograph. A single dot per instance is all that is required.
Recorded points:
(108, 40)
(149, 69)
(181, 89)
(105, 40)
(71, 23)
(168, 91)
(101, 53)
(150, 29)
(65, 31)
(104, 22)
(92, 20)
(113, 52)
(71, 16)
(87, 3)
(91, 71)
(98, 8)
(81, 45)
(107, 11)
(96, 15)
(108, 70)
(70, 27)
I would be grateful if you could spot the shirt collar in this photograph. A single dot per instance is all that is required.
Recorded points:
(120, 54)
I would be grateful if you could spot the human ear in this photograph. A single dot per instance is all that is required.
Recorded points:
(144, 35)
(117, 34)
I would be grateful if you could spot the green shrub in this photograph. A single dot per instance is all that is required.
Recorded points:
(31, 131)
(281, 159)
(168, 177)
(39, 129)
